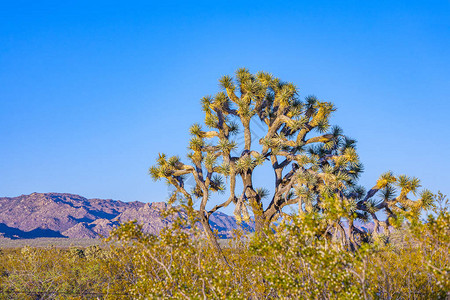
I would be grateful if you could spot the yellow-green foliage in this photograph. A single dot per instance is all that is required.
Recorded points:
(292, 260)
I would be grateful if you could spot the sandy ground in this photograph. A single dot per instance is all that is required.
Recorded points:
(49, 242)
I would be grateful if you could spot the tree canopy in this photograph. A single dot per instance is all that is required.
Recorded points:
(315, 166)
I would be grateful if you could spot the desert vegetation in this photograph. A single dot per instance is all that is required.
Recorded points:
(318, 252)
(293, 260)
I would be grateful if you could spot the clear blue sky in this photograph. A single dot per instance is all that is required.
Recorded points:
(90, 93)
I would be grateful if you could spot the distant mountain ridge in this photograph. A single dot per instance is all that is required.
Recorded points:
(73, 216)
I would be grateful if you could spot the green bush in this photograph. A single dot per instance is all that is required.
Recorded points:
(292, 260)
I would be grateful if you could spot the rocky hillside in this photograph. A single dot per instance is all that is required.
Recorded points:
(73, 216)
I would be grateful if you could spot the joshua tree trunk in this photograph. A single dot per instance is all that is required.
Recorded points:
(260, 223)
(204, 220)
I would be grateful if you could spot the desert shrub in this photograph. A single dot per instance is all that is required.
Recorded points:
(49, 273)
(291, 260)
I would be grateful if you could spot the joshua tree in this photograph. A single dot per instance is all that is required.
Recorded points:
(394, 200)
(312, 162)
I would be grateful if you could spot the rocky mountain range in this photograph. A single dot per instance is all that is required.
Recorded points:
(73, 216)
